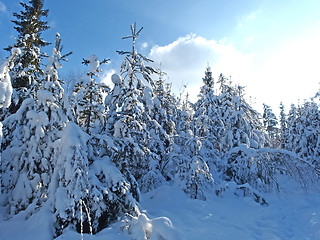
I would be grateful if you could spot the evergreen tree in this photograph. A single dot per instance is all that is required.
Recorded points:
(292, 128)
(186, 167)
(165, 105)
(27, 67)
(89, 106)
(242, 124)
(207, 121)
(29, 27)
(283, 127)
(305, 142)
(243, 132)
(70, 181)
(29, 142)
(208, 79)
(270, 124)
(117, 138)
(89, 192)
(131, 99)
(98, 193)
(160, 127)
(133, 67)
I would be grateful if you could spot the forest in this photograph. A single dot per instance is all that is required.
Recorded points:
(86, 153)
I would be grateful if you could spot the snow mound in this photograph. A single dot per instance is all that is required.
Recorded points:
(142, 227)
(116, 79)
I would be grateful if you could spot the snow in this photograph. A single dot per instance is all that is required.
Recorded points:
(169, 213)
(5, 86)
(288, 216)
(116, 79)
(5, 80)
(118, 127)
(93, 63)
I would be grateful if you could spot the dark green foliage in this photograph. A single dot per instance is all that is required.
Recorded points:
(134, 63)
(29, 27)
(283, 131)
(89, 98)
(270, 123)
(208, 79)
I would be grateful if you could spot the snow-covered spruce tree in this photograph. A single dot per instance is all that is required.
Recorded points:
(156, 140)
(243, 132)
(270, 123)
(161, 129)
(111, 195)
(130, 124)
(133, 68)
(312, 131)
(89, 107)
(88, 191)
(117, 141)
(242, 124)
(299, 153)
(5, 94)
(27, 69)
(186, 167)
(306, 142)
(165, 104)
(291, 128)
(203, 106)
(28, 145)
(108, 194)
(207, 120)
(68, 161)
(283, 131)
(69, 189)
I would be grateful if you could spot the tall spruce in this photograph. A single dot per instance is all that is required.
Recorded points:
(306, 129)
(207, 119)
(292, 128)
(241, 122)
(89, 106)
(270, 123)
(283, 127)
(243, 132)
(27, 70)
(187, 168)
(158, 111)
(29, 143)
(131, 99)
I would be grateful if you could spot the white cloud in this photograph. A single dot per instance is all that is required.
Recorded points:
(3, 7)
(289, 73)
(285, 73)
(185, 61)
(106, 77)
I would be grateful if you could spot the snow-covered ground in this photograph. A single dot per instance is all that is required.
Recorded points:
(294, 215)
(289, 216)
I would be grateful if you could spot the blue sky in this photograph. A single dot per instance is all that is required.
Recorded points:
(272, 47)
